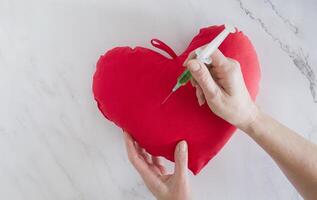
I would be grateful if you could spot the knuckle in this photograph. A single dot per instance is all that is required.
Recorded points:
(133, 158)
(235, 63)
(190, 63)
(202, 75)
(214, 94)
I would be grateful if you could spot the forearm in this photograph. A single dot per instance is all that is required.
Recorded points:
(224, 89)
(296, 156)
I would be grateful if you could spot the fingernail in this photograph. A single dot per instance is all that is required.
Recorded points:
(194, 66)
(182, 146)
(200, 102)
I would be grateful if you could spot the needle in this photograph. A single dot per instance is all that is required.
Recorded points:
(167, 97)
(178, 85)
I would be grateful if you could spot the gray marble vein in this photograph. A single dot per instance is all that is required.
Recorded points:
(299, 58)
(286, 21)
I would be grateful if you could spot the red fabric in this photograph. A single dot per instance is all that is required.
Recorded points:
(130, 84)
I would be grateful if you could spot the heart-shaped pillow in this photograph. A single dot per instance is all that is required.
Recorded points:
(130, 84)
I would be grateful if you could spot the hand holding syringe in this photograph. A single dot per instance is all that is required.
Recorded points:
(203, 55)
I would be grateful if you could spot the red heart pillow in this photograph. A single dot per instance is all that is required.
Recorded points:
(130, 84)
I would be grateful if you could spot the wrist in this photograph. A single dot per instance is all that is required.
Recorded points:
(252, 117)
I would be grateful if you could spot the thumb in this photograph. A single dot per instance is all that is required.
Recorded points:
(181, 159)
(203, 77)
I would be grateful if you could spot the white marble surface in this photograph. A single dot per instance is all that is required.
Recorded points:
(55, 144)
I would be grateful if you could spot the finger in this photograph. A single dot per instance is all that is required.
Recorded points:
(199, 92)
(190, 56)
(203, 77)
(149, 160)
(133, 154)
(219, 60)
(146, 156)
(166, 177)
(153, 162)
(158, 163)
(158, 169)
(200, 95)
(193, 82)
(140, 151)
(156, 160)
(181, 159)
(150, 179)
(137, 147)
